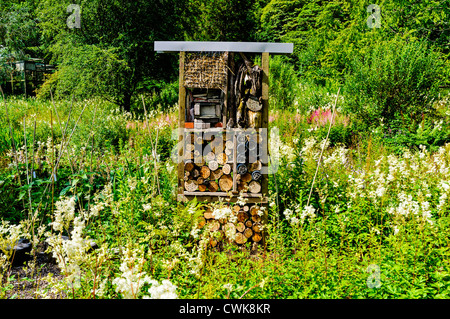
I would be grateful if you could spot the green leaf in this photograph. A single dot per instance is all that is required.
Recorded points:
(65, 190)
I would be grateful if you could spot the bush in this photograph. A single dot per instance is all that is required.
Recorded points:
(284, 84)
(396, 77)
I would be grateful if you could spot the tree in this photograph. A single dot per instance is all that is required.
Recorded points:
(327, 34)
(112, 53)
(222, 20)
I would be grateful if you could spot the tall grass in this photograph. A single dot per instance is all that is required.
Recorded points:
(368, 207)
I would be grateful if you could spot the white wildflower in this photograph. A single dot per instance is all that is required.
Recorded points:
(165, 290)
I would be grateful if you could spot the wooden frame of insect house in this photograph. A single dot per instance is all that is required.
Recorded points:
(223, 126)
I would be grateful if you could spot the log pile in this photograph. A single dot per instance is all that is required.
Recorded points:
(247, 227)
(207, 166)
(209, 163)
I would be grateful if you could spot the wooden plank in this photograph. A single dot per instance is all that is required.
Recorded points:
(226, 97)
(207, 198)
(265, 111)
(181, 120)
(224, 194)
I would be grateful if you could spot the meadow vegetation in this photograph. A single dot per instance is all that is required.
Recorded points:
(375, 201)
(84, 161)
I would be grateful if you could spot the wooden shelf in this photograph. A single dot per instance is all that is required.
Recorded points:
(223, 194)
(207, 197)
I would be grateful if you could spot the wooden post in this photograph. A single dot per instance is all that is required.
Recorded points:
(265, 110)
(265, 125)
(181, 119)
(226, 95)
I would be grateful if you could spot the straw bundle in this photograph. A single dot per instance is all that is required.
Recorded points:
(206, 70)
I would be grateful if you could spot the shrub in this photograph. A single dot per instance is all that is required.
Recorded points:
(395, 77)
(284, 84)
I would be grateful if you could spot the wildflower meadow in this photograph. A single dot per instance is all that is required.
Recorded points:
(356, 100)
(83, 173)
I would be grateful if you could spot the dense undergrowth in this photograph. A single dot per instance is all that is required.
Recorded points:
(380, 201)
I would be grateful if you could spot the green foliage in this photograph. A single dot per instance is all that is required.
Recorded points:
(162, 97)
(327, 34)
(112, 52)
(284, 84)
(392, 78)
(223, 20)
(19, 33)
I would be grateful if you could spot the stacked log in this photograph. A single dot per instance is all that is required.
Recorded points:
(209, 163)
(207, 166)
(248, 226)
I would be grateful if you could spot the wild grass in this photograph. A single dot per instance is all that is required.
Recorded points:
(115, 184)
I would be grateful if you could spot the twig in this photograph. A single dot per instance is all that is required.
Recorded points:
(154, 148)
(32, 156)
(323, 146)
(26, 163)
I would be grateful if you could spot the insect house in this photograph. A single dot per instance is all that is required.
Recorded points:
(223, 132)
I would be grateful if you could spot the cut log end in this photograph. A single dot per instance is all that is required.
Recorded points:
(240, 238)
(226, 183)
(205, 172)
(254, 187)
(226, 169)
(256, 237)
(248, 232)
